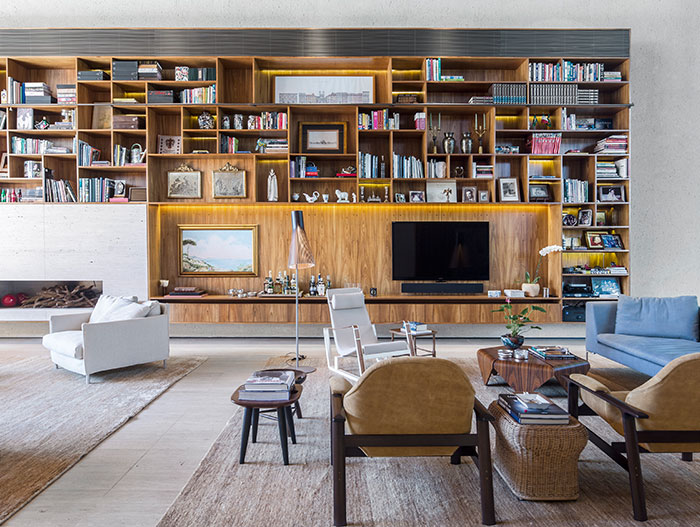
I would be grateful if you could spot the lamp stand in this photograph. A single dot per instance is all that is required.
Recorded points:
(305, 369)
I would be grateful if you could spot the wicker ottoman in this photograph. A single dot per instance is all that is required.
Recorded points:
(538, 462)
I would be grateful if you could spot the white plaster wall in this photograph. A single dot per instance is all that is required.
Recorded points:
(665, 75)
(77, 242)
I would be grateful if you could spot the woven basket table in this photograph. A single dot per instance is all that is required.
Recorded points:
(538, 462)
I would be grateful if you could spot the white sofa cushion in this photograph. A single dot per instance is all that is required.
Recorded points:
(68, 343)
(110, 308)
(154, 307)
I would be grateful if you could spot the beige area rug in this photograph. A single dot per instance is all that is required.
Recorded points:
(407, 492)
(50, 418)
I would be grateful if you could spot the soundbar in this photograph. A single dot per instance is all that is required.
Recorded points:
(441, 288)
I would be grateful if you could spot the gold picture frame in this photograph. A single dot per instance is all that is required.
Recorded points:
(184, 183)
(228, 182)
(218, 250)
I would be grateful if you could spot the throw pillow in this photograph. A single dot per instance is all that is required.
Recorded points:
(675, 318)
(107, 305)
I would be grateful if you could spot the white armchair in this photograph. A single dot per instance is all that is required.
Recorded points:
(354, 335)
(87, 347)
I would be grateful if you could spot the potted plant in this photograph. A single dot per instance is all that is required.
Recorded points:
(531, 285)
(516, 324)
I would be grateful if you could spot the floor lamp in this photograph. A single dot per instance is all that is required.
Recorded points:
(300, 257)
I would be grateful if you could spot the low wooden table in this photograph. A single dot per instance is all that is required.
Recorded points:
(399, 332)
(527, 375)
(285, 419)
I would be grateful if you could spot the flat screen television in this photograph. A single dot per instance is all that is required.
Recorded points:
(440, 250)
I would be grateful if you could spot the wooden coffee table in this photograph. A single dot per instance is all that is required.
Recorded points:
(527, 375)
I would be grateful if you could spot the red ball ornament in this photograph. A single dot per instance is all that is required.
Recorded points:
(9, 301)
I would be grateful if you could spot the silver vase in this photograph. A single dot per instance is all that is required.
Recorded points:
(465, 144)
(448, 143)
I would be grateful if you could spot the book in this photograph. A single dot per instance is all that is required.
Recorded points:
(552, 352)
(277, 395)
(417, 326)
(270, 380)
(523, 414)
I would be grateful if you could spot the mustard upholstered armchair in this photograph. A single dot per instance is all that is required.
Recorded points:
(409, 406)
(661, 415)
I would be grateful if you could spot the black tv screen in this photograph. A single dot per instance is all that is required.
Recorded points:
(440, 250)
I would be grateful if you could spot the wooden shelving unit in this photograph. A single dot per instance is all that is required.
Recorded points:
(245, 86)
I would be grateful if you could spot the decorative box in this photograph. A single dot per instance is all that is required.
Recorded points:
(182, 73)
(127, 122)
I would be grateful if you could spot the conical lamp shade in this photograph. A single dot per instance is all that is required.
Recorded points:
(300, 256)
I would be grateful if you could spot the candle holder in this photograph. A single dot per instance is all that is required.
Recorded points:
(480, 131)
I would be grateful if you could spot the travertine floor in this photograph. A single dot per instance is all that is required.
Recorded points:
(132, 477)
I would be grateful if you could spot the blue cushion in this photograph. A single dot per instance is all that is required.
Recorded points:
(660, 351)
(675, 318)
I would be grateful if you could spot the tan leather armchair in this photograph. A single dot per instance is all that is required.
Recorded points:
(661, 415)
(409, 406)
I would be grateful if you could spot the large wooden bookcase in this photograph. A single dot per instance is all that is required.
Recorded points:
(352, 242)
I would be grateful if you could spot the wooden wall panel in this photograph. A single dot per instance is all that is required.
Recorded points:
(351, 243)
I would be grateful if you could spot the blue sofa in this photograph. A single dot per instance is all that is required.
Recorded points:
(651, 348)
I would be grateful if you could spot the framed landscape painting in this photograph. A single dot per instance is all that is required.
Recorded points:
(218, 250)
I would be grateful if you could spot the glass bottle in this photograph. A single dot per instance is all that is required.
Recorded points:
(328, 283)
(312, 286)
(293, 289)
(13, 196)
(285, 285)
(277, 288)
(19, 194)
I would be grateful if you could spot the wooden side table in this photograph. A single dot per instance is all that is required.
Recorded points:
(285, 419)
(399, 332)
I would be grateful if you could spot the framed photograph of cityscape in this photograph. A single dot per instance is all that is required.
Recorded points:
(316, 89)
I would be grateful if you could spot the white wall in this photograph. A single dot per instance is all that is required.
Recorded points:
(77, 242)
(665, 75)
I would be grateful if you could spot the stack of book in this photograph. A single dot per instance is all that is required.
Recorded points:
(92, 75)
(532, 409)
(58, 190)
(273, 146)
(15, 94)
(587, 97)
(433, 69)
(575, 191)
(125, 70)
(267, 385)
(29, 145)
(614, 144)
(205, 95)
(120, 156)
(187, 291)
(268, 121)
(482, 171)
(87, 154)
(65, 93)
(481, 99)
(511, 93)
(369, 166)
(161, 96)
(545, 143)
(612, 76)
(150, 71)
(554, 94)
(452, 78)
(552, 352)
(407, 167)
(378, 120)
(547, 72)
(38, 93)
(418, 120)
(229, 144)
(605, 169)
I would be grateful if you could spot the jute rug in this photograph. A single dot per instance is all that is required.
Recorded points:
(403, 492)
(50, 418)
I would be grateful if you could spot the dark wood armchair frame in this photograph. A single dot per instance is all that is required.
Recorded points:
(475, 445)
(631, 448)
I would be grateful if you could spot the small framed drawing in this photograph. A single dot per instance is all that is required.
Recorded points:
(484, 196)
(441, 191)
(119, 188)
(611, 193)
(169, 144)
(218, 250)
(594, 239)
(228, 182)
(585, 218)
(416, 196)
(185, 182)
(3, 163)
(612, 241)
(508, 189)
(323, 138)
(399, 198)
(25, 118)
(468, 194)
(600, 218)
(539, 193)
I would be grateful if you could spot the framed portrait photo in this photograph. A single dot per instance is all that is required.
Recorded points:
(585, 218)
(218, 250)
(594, 239)
(469, 194)
(508, 189)
(484, 196)
(539, 192)
(185, 182)
(416, 196)
(611, 193)
(399, 197)
(228, 182)
(323, 138)
(119, 188)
